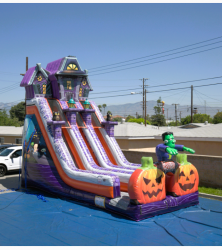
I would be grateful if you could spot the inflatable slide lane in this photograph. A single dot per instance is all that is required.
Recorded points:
(106, 131)
(78, 146)
(69, 150)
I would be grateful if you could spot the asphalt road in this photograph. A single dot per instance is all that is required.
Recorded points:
(9, 181)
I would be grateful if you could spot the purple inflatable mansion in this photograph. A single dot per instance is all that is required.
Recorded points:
(69, 149)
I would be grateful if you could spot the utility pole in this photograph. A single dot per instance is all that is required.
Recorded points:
(144, 79)
(205, 104)
(175, 111)
(191, 103)
(143, 97)
(27, 67)
(145, 107)
(180, 116)
(167, 116)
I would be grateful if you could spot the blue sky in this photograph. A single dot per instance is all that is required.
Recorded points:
(102, 34)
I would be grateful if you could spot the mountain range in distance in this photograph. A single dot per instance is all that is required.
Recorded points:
(7, 106)
(132, 108)
(169, 110)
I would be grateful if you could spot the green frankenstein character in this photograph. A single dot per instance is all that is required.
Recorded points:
(168, 149)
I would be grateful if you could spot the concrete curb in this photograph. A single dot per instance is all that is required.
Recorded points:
(210, 196)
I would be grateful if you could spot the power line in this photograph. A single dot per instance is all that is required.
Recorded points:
(186, 87)
(197, 92)
(163, 85)
(208, 96)
(158, 53)
(181, 98)
(7, 90)
(158, 61)
(114, 91)
(187, 81)
(9, 87)
(111, 96)
(215, 102)
(156, 57)
(115, 80)
(200, 108)
(7, 81)
(161, 90)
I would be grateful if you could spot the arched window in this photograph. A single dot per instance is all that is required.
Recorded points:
(72, 66)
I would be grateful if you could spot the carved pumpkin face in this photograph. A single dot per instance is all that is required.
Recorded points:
(147, 185)
(187, 178)
(184, 181)
(152, 184)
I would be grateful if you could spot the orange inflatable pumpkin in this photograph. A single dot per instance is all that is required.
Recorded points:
(185, 180)
(147, 183)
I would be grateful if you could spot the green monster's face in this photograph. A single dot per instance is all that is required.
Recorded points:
(171, 141)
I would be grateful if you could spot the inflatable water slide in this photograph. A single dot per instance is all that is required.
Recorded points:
(70, 150)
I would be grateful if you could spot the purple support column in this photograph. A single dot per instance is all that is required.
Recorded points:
(86, 115)
(87, 118)
(57, 131)
(109, 127)
(56, 127)
(71, 118)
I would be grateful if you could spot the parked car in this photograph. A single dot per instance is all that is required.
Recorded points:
(2, 147)
(10, 159)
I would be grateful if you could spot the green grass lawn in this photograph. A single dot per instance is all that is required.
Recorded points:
(214, 191)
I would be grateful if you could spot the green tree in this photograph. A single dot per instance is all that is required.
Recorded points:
(158, 119)
(104, 106)
(217, 118)
(148, 118)
(197, 118)
(100, 108)
(117, 119)
(129, 117)
(139, 120)
(18, 111)
(5, 120)
(174, 123)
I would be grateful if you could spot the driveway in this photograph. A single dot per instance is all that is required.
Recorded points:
(9, 181)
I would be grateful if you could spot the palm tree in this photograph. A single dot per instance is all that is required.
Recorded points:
(104, 106)
(100, 108)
